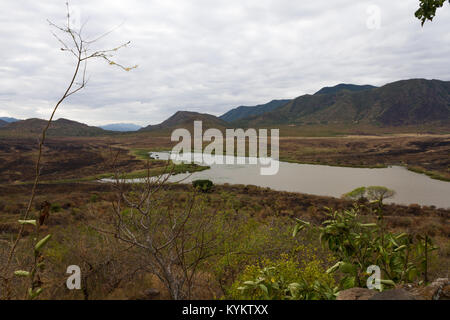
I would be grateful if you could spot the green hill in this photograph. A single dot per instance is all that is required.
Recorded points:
(401, 103)
(244, 111)
(342, 87)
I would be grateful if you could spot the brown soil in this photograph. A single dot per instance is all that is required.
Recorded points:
(428, 153)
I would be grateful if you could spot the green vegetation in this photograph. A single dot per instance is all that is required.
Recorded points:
(357, 245)
(174, 169)
(32, 276)
(204, 186)
(55, 207)
(431, 174)
(285, 279)
(372, 193)
(427, 10)
(144, 154)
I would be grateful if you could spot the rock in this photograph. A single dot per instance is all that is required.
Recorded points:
(356, 294)
(437, 290)
(395, 294)
(445, 295)
(148, 294)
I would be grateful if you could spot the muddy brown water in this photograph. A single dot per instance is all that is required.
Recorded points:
(410, 187)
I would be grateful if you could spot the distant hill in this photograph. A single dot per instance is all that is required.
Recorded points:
(342, 87)
(244, 111)
(60, 127)
(8, 119)
(185, 119)
(3, 123)
(121, 127)
(401, 103)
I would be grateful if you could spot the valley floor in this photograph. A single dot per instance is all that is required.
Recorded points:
(257, 222)
(74, 159)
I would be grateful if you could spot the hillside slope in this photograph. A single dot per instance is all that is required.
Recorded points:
(185, 119)
(9, 119)
(121, 127)
(342, 87)
(401, 103)
(60, 127)
(245, 111)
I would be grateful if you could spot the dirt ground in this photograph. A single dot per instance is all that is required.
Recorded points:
(63, 158)
(75, 199)
(426, 153)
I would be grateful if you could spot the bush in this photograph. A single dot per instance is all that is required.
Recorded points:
(372, 193)
(284, 279)
(204, 186)
(402, 258)
(93, 198)
(55, 207)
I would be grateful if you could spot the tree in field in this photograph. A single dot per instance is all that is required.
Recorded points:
(376, 193)
(173, 236)
(357, 194)
(427, 10)
(372, 193)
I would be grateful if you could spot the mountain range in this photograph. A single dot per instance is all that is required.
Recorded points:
(121, 127)
(185, 119)
(60, 127)
(244, 111)
(403, 103)
(8, 119)
(343, 87)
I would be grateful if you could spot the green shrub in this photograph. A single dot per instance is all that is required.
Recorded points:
(372, 193)
(358, 245)
(284, 279)
(204, 186)
(55, 207)
(93, 198)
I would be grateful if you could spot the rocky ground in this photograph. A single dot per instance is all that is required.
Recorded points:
(437, 290)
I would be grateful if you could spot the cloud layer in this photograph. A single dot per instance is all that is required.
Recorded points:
(210, 56)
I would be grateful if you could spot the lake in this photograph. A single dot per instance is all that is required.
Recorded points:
(332, 181)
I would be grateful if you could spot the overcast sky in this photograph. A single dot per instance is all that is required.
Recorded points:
(211, 55)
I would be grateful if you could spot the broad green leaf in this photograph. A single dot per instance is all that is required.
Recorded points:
(21, 273)
(264, 288)
(401, 248)
(32, 222)
(388, 282)
(347, 268)
(42, 242)
(369, 225)
(334, 268)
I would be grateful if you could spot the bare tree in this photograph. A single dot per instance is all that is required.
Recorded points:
(175, 235)
(73, 42)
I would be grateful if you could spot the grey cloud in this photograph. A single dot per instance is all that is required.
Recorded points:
(209, 56)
